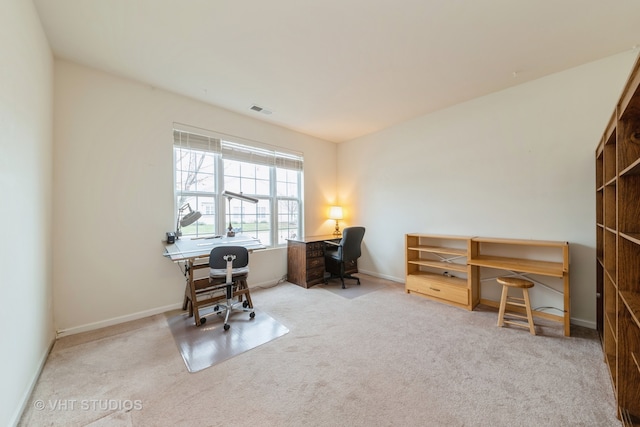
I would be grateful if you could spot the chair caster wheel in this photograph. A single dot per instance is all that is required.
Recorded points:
(245, 304)
(226, 326)
(252, 314)
(203, 320)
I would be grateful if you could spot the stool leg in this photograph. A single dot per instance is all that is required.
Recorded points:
(503, 304)
(527, 305)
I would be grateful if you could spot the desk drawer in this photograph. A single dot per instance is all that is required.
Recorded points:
(315, 262)
(435, 286)
(315, 249)
(315, 273)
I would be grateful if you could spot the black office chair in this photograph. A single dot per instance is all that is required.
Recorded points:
(228, 271)
(339, 256)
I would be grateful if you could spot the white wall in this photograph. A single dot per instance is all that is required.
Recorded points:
(26, 120)
(114, 194)
(518, 163)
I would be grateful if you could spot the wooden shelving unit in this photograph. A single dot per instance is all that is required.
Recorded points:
(618, 249)
(536, 257)
(436, 267)
(447, 268)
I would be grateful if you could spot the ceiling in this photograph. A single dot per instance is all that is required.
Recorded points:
(337, 69)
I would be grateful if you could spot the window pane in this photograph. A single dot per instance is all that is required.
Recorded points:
(251, 219)
(248, 185)
(248, 170)
(288, 224)
(262, 172)
(206, 223)
(287, 183)
(262, 188)
(195, 186)
(206, 182)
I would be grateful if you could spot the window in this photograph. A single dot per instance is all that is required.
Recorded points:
(206, 164)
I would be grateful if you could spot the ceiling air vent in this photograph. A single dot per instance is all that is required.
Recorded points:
(259, 109)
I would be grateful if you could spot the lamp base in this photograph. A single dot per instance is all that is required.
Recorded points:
(231, 233)
(337, 231)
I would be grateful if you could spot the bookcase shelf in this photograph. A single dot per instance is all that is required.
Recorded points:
(617, 163)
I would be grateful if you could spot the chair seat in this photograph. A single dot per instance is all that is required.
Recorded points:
(222, 272)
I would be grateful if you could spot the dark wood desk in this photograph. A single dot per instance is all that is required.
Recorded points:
(305, 260)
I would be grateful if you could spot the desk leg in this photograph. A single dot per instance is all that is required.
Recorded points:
(245, 287)
(192, 291)
(567, 306)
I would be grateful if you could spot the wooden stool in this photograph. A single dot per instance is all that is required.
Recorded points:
(513, 282)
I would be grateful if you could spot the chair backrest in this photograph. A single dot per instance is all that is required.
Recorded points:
(217, 257)
(351, 242)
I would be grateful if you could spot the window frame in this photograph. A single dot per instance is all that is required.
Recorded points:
(271, 157)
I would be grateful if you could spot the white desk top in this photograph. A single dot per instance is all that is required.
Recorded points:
(187, 248)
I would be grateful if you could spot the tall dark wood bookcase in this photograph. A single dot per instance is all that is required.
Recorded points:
(618, 249)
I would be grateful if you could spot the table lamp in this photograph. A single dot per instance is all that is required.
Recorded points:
(191, 217)
(335, 213)
(231, 195)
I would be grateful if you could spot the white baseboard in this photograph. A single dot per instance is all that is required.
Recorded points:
(585, 323)
(32, 384)
(136, 316)
(116, 320)
(381, 276)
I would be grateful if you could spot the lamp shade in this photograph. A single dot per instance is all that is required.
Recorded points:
(335, 212)
(190, 218)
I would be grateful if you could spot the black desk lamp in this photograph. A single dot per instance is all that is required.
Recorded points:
(191, 217)
(230, 195)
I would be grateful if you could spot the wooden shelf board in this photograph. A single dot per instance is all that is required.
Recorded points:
(611, 275)
(545, 268)
(636, 360)
(632, 237)
(549, 243)
(610, 325)
(632, 169)
(439, 250)
(632, 301)
(439, 278)
(612, 181)
(462, 268)
(439, 236)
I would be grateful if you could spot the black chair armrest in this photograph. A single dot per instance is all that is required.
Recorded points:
(332, 243)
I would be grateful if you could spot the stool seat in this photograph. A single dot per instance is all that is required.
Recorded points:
(515, 318)
(515, 282)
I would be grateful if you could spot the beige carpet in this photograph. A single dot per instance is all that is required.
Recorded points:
(385, 358)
